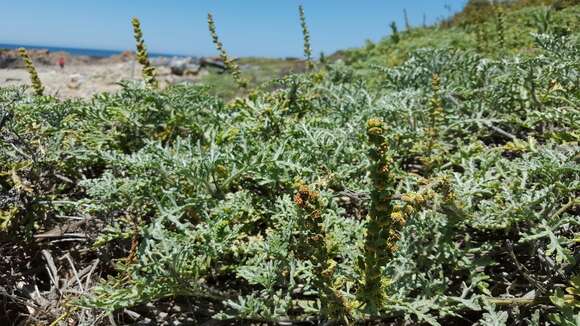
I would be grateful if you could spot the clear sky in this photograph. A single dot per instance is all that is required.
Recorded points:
(246, 27)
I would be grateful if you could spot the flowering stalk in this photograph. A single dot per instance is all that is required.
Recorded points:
(36, 83)
(500, 26)
(306, 37)
(480, 39)
(407, 24)
(230, 65)
(314, 247)
(149, 73)
(395, 33)
(383, 224)
(412, 201)
(322, 59)
(435, 112)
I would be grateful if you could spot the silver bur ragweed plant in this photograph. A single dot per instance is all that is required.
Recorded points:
(149, 73)
(32, 73)
(314, 246)
(395, 37)
(500, 26)
(306, 38)
(435, 113)
(480, 38)
(383, 223)
(568, 303)
(210, 201)
(231, 66)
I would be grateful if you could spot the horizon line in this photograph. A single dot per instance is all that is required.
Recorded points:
(118, 51)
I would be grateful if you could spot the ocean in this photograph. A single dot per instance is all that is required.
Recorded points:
(79, 51)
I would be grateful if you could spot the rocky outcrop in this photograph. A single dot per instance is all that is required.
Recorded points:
(179, 66)
(214, 62)
(84, 76)
(9, 58)
(7, 61)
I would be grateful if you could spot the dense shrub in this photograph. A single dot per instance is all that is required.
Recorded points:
(260, 205)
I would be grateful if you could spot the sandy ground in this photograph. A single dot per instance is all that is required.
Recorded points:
(87, 79)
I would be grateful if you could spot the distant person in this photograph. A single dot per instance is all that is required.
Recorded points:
(61, 62)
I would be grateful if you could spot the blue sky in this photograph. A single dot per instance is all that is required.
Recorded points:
(246, 27)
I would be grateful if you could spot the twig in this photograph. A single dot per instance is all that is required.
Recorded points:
(63, 178)
(51, 268)
(111, 319)
(72, 265)
(517, 301)
(132, 314)
(61, 317)
(523, 270)
(63, 231)
(95, 263)
(500, 131)
(27, 303)
(68, 240)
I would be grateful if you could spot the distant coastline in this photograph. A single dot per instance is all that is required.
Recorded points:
(97, 53)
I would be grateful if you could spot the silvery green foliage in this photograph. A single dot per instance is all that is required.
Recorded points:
(493, 317)
(205, 188)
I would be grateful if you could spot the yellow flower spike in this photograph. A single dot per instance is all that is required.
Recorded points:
(313, 245)
(149, 73)
(398, 217)
(419, 199)
(306, 38)
(384, 217)
(231, 66)
(375, 123)
(500, 26)
(36, 83)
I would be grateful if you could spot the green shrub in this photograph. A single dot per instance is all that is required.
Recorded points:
(270, 208)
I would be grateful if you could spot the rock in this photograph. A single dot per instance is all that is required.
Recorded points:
(179, 66)
(145, 321)
(163, 315)
(212, 62)
(8, 61)
(163, 71)
(160, 61)
(192, 70)
(124, 56)
(75, 81)
(183, 66)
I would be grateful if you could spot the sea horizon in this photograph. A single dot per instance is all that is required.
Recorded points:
(98, 53)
